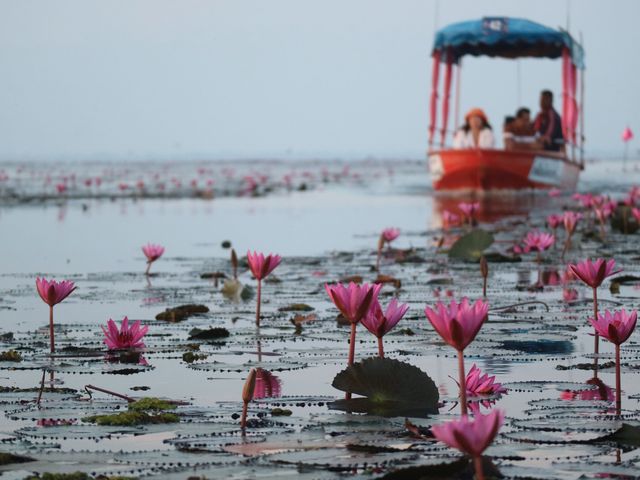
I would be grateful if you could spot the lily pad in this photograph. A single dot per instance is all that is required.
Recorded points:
(384, 380)
(471, 246)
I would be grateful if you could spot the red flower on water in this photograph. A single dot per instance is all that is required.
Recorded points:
(354, 300)
(53, 292)
(390, 234)
(594, 273)
(262, 266)
(482, 384)
(616, 327)
(458, 324)
(538, 241)
(152, 252)
(125, 337)
(470, 436)
(554, 221)
(380, 323)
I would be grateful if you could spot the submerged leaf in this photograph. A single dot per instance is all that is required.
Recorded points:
(178, 314)
(212, 333)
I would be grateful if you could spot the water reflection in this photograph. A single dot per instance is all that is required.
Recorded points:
(126, 356)
(600, 392)
(492, 207)
(267, 385)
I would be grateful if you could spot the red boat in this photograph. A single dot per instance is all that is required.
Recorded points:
(480, 170)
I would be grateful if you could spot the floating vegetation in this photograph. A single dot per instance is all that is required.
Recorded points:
(141, 412)
(10, 356)
(181, 313)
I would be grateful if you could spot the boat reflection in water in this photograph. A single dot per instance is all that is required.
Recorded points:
(492, 206)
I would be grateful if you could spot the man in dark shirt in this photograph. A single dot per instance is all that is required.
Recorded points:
(548, 124)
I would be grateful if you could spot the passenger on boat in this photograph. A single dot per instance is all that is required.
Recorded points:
(475, 133)
(548, 124)
(521, 133)
(507, 132)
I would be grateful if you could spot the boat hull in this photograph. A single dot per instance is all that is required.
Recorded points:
(488, 170)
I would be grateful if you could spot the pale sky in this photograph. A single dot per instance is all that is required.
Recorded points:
(196, 79)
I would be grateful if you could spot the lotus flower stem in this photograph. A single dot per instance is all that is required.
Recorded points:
(146, 272)
(567, 245)
(88, 389)
(51, 334)
(44, 371)
(618, 383)
(258, 302)
(352, 344)
(463, 383)
(596, 338)
(380, 348)
(484, 271)
(243, 419)
(477, 463)
(381, 242)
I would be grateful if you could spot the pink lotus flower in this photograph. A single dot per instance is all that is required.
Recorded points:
(471, 436)
(616, 327)
(153, 253)
(636, 213)
(459, 324)
(584, 199)
(262, 266)
(570, 220)
(627, 134)
(482, 384)
(569, 294)
(450, 219)
(53, 292)
(380, 323)
(390, 234)
(469, 210)
(126, 337)
(353, 302)
(554, 221)
(594, 273)
(634, 193)
(538, 241)
(604, 210)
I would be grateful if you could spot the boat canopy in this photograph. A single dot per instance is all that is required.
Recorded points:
(505, 37)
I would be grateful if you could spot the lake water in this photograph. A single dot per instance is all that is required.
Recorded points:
(324, 219)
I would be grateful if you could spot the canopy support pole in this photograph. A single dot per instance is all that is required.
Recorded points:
(433, 108)
(457, 99)
(445, 99)
(565, 95)
(581, 112)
